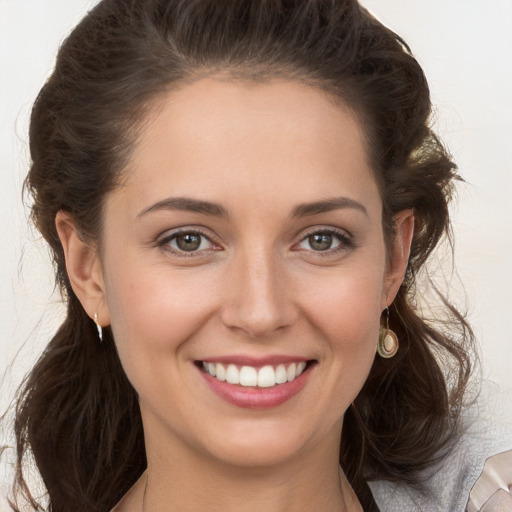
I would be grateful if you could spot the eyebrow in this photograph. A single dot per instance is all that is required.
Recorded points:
(327, 205)
(188, 205)
(209, 208)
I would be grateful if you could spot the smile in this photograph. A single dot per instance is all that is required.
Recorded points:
(249, 376)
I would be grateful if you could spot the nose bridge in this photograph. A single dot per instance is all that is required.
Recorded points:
(257, 293)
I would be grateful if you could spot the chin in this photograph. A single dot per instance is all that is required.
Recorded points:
(263, 444)
(262, 454)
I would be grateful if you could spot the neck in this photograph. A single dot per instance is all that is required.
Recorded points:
(304, 483)
(274, 496)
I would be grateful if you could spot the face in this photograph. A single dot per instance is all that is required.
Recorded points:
(246, 245)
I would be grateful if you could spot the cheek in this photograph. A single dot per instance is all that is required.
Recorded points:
(347, 307)
(346, 313)
(343, 308)
(156, 310)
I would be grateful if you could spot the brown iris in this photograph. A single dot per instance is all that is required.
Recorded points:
(320, 241)
(188, 241)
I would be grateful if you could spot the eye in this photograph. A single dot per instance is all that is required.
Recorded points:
(187, 242)
(319, 241)
(325, 241)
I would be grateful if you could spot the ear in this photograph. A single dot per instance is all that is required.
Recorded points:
(83, 267)
(403, 224)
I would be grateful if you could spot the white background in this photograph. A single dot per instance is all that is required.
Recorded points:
(465, 47)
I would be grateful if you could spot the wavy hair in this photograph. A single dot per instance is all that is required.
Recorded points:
(77, 414)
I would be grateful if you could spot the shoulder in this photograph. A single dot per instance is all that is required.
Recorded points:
(475, 469)
(492, 491)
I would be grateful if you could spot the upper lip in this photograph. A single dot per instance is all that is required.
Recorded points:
(255, 361)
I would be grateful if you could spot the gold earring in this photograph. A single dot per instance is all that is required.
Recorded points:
(388, 344)
(98, 326)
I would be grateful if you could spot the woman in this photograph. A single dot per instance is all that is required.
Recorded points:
(239, 196)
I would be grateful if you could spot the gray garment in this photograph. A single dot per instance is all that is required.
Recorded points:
(448, 486)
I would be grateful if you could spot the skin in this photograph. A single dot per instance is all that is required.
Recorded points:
(256, 286)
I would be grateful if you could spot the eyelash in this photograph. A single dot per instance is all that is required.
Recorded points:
(345, 240)
(166, 240)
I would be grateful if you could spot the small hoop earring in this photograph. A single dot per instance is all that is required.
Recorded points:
(98, 326)
(388, 344)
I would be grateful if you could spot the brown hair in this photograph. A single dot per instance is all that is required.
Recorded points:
(76, 413)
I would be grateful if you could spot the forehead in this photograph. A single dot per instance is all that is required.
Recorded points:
(214, 137)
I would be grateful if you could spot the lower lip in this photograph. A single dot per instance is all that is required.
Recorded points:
(254, 397)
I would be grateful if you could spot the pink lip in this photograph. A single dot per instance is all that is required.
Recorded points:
(254, 397)
(256, 362)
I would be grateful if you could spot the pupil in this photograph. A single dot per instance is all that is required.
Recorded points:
(188, 242)
(320, 242)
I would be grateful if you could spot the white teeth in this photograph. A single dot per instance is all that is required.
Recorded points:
(265, 377)
(291, 372)
(220, 372)
(281, 374)
(232, 375)
(248, 376)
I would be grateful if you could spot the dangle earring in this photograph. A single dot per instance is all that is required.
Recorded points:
(98, 326)
(387, 346)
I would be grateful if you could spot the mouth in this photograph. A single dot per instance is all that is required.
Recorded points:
(267, 376)
(256, 386)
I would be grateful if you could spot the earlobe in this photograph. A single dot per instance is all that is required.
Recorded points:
(83, 267)
(399, 255)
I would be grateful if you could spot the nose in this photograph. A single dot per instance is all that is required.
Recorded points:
(258, 300)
